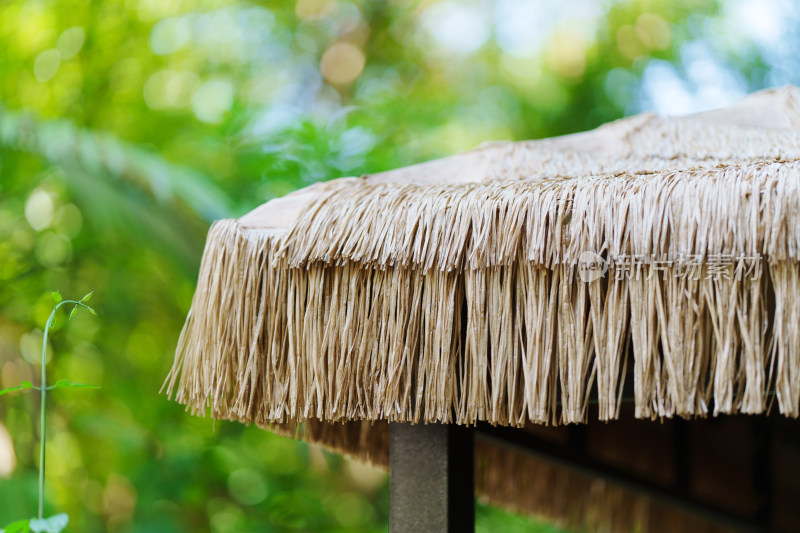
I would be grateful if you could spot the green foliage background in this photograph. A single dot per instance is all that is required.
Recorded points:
(127, 126)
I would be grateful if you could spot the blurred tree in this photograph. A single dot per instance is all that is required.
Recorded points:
(126, 126)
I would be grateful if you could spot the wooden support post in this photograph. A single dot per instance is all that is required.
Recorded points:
(431, 488)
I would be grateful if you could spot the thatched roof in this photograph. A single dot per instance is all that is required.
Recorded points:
(461, 290)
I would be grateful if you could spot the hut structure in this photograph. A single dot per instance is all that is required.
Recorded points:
(606, 324)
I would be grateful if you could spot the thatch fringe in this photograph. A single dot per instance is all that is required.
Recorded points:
(506, 344)
(785, 339)
(575, 347)
(232, 353)
(744, 208)
(645, 333)
(609, 310)
(536, 300)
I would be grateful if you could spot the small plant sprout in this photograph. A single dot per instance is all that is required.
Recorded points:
(56, 523)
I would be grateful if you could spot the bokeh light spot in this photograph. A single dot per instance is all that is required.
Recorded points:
(225, 518)
(628, 42)
(350, 510)
(342, 63)
(313, 9)
(39, 209)
(70, 42)
(170, 89)
(30, 346)
(46, 65)
(119, 499)
(566, 55)
(212, 100)
(524, 71)
(653, 31)
(247, 487)
(69, 220)
(170, 35)
(155, 9)
(52, 249)
(8, 461)
(458, 28)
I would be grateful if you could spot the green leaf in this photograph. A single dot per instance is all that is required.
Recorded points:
(21, 526)
(21, 386)
(66, 384)
(91, 310)
(72, 313)
(56, 296)
(87, 297)
(54, 524)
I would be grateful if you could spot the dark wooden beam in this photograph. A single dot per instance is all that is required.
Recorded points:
(574, 457)
(762, 468)
(431, 487)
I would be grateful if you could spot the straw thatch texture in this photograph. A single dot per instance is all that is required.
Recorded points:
(457, 290)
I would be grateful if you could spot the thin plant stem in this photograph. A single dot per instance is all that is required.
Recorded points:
(43, 411)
